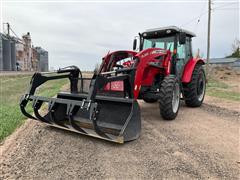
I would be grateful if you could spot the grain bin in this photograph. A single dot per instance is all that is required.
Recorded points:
(13, 55)
(6, 54)
(1, 53)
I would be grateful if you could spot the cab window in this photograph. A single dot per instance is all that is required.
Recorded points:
(163, 42)
(181, 51)
(184, 50)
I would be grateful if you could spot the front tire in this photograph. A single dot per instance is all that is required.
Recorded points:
(169, 97)
(194, 91)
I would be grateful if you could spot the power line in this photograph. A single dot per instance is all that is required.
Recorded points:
(8, 33)
(14, 33)
(226, 9)
(198, 21)
(198, 18)
(225, 5)
(193, 19)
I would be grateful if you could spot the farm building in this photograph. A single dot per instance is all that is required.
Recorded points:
(42, 58)
(225, 62)
(31, 58)
(24, 53)
(1, 53)
(20, 55)
(7, 53)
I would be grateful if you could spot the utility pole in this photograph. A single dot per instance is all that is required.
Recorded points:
(208, 38)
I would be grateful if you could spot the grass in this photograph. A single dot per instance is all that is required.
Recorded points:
(11, 90)
(212, 83)
(221, 90)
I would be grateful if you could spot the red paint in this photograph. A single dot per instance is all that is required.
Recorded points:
(145, 73)
(188, 69)
(109, 56)
(114, 86)
(128, 64)
(115, 57)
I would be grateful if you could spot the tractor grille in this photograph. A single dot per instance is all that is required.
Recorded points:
(84, 87)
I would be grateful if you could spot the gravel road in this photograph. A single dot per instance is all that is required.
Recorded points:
(201, 143)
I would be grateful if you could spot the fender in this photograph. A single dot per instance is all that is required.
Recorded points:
(188, 69)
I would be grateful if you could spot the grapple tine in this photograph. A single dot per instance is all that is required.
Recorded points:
(37, 104)
(71, 120)
(93, 116)
(23, 104)
(54, 120)
(98, 131)
(39, 117)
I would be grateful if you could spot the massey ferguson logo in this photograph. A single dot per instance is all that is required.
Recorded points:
(144, 55)
(162, 51)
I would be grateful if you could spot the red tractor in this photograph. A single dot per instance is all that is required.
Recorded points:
(162, 69)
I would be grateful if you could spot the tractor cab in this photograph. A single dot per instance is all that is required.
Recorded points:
(168, 38)
(171, 38)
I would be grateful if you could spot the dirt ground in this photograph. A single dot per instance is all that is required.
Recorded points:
(201, 143)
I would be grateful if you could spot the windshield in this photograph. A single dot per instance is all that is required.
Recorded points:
(163, 42)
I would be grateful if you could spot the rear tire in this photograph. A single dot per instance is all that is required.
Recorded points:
(194, 91)
(169, 97)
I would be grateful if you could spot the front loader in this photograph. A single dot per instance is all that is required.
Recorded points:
(106, 106)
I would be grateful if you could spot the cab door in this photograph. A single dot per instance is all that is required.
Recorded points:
(183, 55)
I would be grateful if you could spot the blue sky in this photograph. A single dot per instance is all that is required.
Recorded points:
(80, 34)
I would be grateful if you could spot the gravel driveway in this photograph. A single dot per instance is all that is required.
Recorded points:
(201, 143)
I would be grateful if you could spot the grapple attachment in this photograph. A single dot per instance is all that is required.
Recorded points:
(96, 113)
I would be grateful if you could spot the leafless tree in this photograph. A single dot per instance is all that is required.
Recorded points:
(235, 45)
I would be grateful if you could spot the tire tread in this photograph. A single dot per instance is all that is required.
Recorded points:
(190, 89)
(165, 101)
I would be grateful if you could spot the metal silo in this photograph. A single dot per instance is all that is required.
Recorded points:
(1, 53)
(13, 56)
(6, 54)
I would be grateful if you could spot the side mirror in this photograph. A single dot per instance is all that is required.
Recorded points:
(134, 44)
(182, 38)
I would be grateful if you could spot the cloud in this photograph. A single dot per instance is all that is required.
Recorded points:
(82, 33)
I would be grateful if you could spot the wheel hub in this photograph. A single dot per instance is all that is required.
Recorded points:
(201, 87)
(176, 98)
